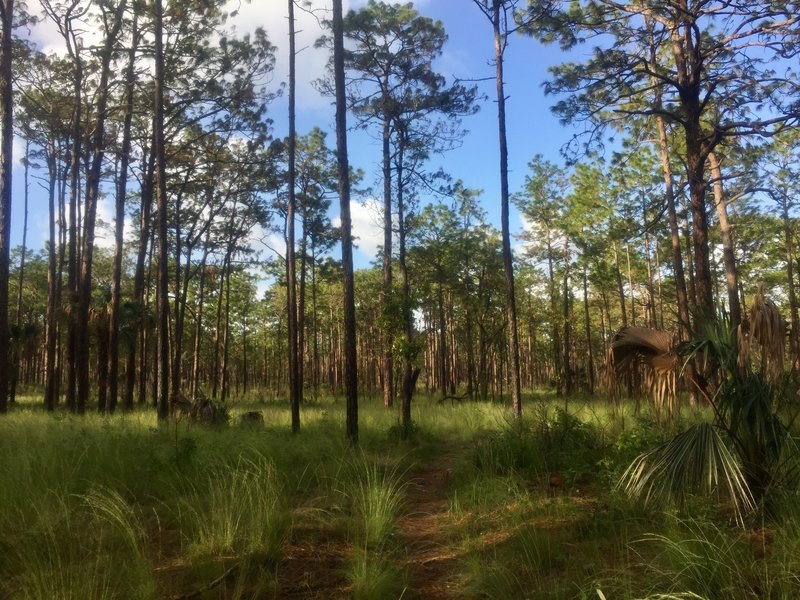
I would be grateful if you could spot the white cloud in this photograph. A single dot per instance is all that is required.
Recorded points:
(272, 15)
(48, 38)
(106, 222)
(366, 218)
(18, 150)
(311, 62)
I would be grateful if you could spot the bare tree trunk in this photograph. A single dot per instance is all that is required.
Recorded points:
(568, 380)
(500, 42)
(53, 288)
(350, 358)
(630, 283)
(788, 245)
(84, 296)
(72, 255)
(162, 309)
(558, 371)
(388, 362)
(119, 216)
(728, 251)
(198, 331)
(145, 232)
(651, 304)
(21, 280)
(295, 384)
(588, 328)
(226, 336)
(409, 373)
(620, 289)
(6, 166)
(217, 329)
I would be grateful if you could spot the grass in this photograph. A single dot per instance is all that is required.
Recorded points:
(120, 507)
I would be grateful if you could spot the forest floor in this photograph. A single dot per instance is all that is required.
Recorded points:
(425, 530)
(314, 567)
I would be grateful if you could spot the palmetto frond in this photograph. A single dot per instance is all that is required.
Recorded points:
(696, 460)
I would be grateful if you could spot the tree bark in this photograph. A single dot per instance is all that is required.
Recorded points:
(90, 214)
(500, 41)
(728, 251)
(566, 360)
(588, 328)
(6, 166)
(119, 216)
(295, 385)
(145, 233)
(53, 288)
(21, 279)
(348, 285)
(162, 309)
(388, 362)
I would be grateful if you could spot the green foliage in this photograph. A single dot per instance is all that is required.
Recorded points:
(375, 578)
(376, 494)
(239, 508)
(702, 559)
(739, 451)
(696, 460)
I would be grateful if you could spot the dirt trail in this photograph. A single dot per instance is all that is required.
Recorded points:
(431, 563)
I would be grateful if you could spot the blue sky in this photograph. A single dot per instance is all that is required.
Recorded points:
(468, 54)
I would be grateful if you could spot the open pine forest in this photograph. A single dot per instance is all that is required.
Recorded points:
(468, 299)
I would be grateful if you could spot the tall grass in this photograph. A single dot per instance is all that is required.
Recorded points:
(237, 509)
(375, 493)
(120, 507)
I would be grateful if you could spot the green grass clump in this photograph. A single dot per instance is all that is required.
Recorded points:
(237, 509)
(70, 552)
(374, 576)
(375, 493)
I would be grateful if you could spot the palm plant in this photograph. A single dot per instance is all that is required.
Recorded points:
(655, 351)
(740, 450)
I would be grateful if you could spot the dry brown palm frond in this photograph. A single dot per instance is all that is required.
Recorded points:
(768, 329)
(656, 350)
(650, 346)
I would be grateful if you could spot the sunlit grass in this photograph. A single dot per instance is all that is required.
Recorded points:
(123, 507)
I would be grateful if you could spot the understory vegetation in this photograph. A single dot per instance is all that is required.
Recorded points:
(120, 507)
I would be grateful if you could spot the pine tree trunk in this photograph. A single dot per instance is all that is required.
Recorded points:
(162, 309)
(588, 329)
(119, 215)
(72, 254)
(500, 41)
(348, 285)
(53, 288)
(90, 215)
(728, 251)
(145, 233)
(6, 166)
(295, 384)
(388, 362)
(620, 289)
(788, 244)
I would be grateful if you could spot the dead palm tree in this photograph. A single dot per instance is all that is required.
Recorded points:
(655, 352)
(741, 451)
